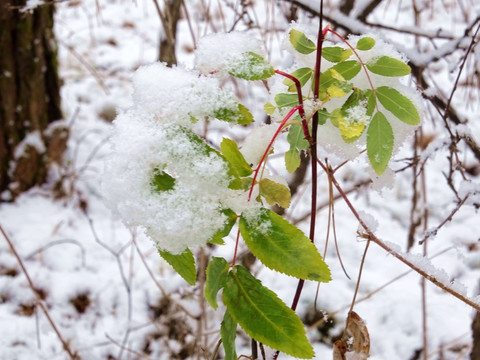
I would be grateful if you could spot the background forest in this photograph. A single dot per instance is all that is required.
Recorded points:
(75, 283)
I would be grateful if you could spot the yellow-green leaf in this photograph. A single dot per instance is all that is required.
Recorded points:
(236, 162)
(301, 42)
(183, 264)
(379, 143)
(275, 193)
(240, 115)
(292, 160)
(388, 66)
(302, 74)
(281, 246)
(216, 274)
(263, 316)
(336, 54)
(398, 104)
(365, 43)
(269, 108)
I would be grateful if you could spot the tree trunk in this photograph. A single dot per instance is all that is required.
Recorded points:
(169, 36)
(29, 98)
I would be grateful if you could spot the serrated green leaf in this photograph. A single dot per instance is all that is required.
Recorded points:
(365, 43)
(336, 54)
(241, 115)
(379, 143)
(281, 246)
(292, 160)
(183, 264)
(388, 66)
(236, 162)
(228, 332)
(161, 181)
(227, 226)
(296, 137)
(275, 193)
(398, 104)
(301, 42)
(263, 316)
(250, 66)
(216, 274)
(302, 74)
(286, 100)
(269, 108)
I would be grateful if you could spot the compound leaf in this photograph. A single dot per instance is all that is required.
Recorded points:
(183, 264)
(281, 246)
(263, 316)
(379, 143)
(398, 104)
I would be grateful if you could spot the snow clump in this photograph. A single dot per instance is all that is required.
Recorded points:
(161, 176)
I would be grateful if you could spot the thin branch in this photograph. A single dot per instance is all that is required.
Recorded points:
(400, 257)
(67, 349)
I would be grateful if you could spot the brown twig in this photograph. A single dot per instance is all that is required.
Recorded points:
(66, 347)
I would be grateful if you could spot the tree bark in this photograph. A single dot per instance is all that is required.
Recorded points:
(169, 36)
(29, 97)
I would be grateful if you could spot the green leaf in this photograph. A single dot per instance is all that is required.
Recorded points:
(241, 115)
(301, 43)
(263, 316)
(398, 104)
(236, 162)
(216, 274)
(228, 332)
(379, 143)
(269, 108)
(302, 74)
(281, 246)
(183, 264)
(250, 66)
(241, 183)
(275, 193)
(292, 160)
(336, 54)
(228, 224)
(161, 181)
(388, 66)
(348, 69)
(286, 100)
(296, 138)
(354, 115)
(365, 43)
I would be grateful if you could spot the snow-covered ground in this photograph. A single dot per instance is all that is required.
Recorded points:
(106, 288)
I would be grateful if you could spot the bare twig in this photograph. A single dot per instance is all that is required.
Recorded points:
(66, 347)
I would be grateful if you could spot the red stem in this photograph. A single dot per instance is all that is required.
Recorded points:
(301, 110)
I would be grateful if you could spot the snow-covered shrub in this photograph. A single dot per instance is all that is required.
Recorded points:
(184, 193)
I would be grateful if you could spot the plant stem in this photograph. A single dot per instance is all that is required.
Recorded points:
(301, 110)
